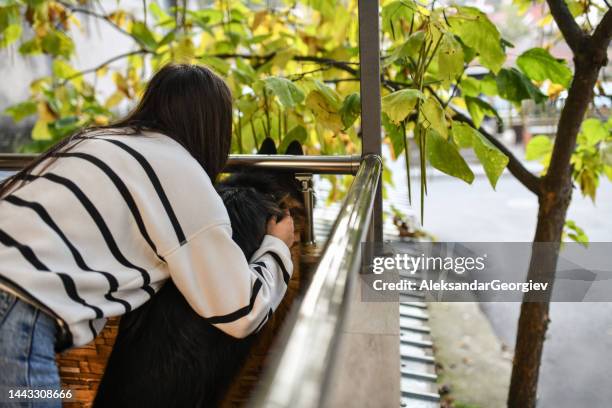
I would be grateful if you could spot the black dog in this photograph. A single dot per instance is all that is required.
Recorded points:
(165, 354)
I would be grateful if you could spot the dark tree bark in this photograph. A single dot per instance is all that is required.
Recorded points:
(590, 55)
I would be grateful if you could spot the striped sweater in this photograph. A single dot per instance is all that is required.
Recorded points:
(98, 231)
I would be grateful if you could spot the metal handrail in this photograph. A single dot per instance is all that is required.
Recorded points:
(298, 377)
(298, 164)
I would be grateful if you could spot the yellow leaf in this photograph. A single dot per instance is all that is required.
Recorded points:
(324, 113)
(74, 20)
(41, 131)
(102, 71)
(184, 52)
(259, 17)
(44, 113)
(545, 21)
(459, 102)
(114, 100)
(554, 90)
(101, 120)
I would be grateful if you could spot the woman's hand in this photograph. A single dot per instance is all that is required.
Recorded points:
(282, 229)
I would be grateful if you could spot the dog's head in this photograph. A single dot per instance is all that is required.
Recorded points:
(255, 195)
(249, 211)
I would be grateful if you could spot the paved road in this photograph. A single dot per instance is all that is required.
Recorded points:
(577, 361)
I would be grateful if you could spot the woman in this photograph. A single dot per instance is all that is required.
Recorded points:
(96, 225)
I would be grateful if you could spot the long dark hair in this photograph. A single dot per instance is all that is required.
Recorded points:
(188, 103)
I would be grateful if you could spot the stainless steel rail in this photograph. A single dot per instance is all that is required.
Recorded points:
(15, 161)
(298, 377)
(297, 164)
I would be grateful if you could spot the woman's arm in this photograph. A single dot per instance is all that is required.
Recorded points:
(213, 275)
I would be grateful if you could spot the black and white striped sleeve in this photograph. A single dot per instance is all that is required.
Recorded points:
(213, 275)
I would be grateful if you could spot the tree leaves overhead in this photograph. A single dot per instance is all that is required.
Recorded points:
(350, 110)
(539, 65)
(143, 35)
(479, 33)
(396, 15)
(294, 71)
(450, 59)
(398, 105)
(21, 110)
(539, 148)
(444, 156)
(287, 92)
(479, 109)
(408, 49)
(325, 110)
(298, 134)
(514, 86)
(492, 159)
(432, 116)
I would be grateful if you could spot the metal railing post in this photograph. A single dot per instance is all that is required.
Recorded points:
(369, 63)
(307, 190)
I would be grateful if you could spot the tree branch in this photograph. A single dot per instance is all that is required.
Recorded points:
(342, 65)
(105, 63)
(573, 34)
(516, 168)
(603, 32)
(98, 16)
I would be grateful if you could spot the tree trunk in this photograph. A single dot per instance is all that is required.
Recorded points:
(554, 199)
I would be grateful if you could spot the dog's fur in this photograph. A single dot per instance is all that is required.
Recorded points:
(166, 355)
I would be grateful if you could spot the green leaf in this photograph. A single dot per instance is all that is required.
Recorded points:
(21, 110)
(298, 134)
(479, 109)
(592, 131)
(410, 48)
(144, 36)
(350, 110)
(62, 69)
(394, 14)
(287, 92)
(158, 13)
(30, 47)
(398, 105)
(432, 116)
(491, 158)
(478, 32)
(538, 148)
(470, 86)
(576, 233)
(444, 156)
(539, 65)
(488, 85)
(325, 110)
(57, 43)
(395, 134)
(41, 130)
(325, 7)
(218, 65)
(167, 39)
(450, 59)
(10, 34)
(244, 72)
(462, 135)
(514, 86)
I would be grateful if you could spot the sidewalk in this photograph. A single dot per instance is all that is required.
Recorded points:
(472, 365)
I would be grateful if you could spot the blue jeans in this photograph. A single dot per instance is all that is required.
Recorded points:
(27, 354)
